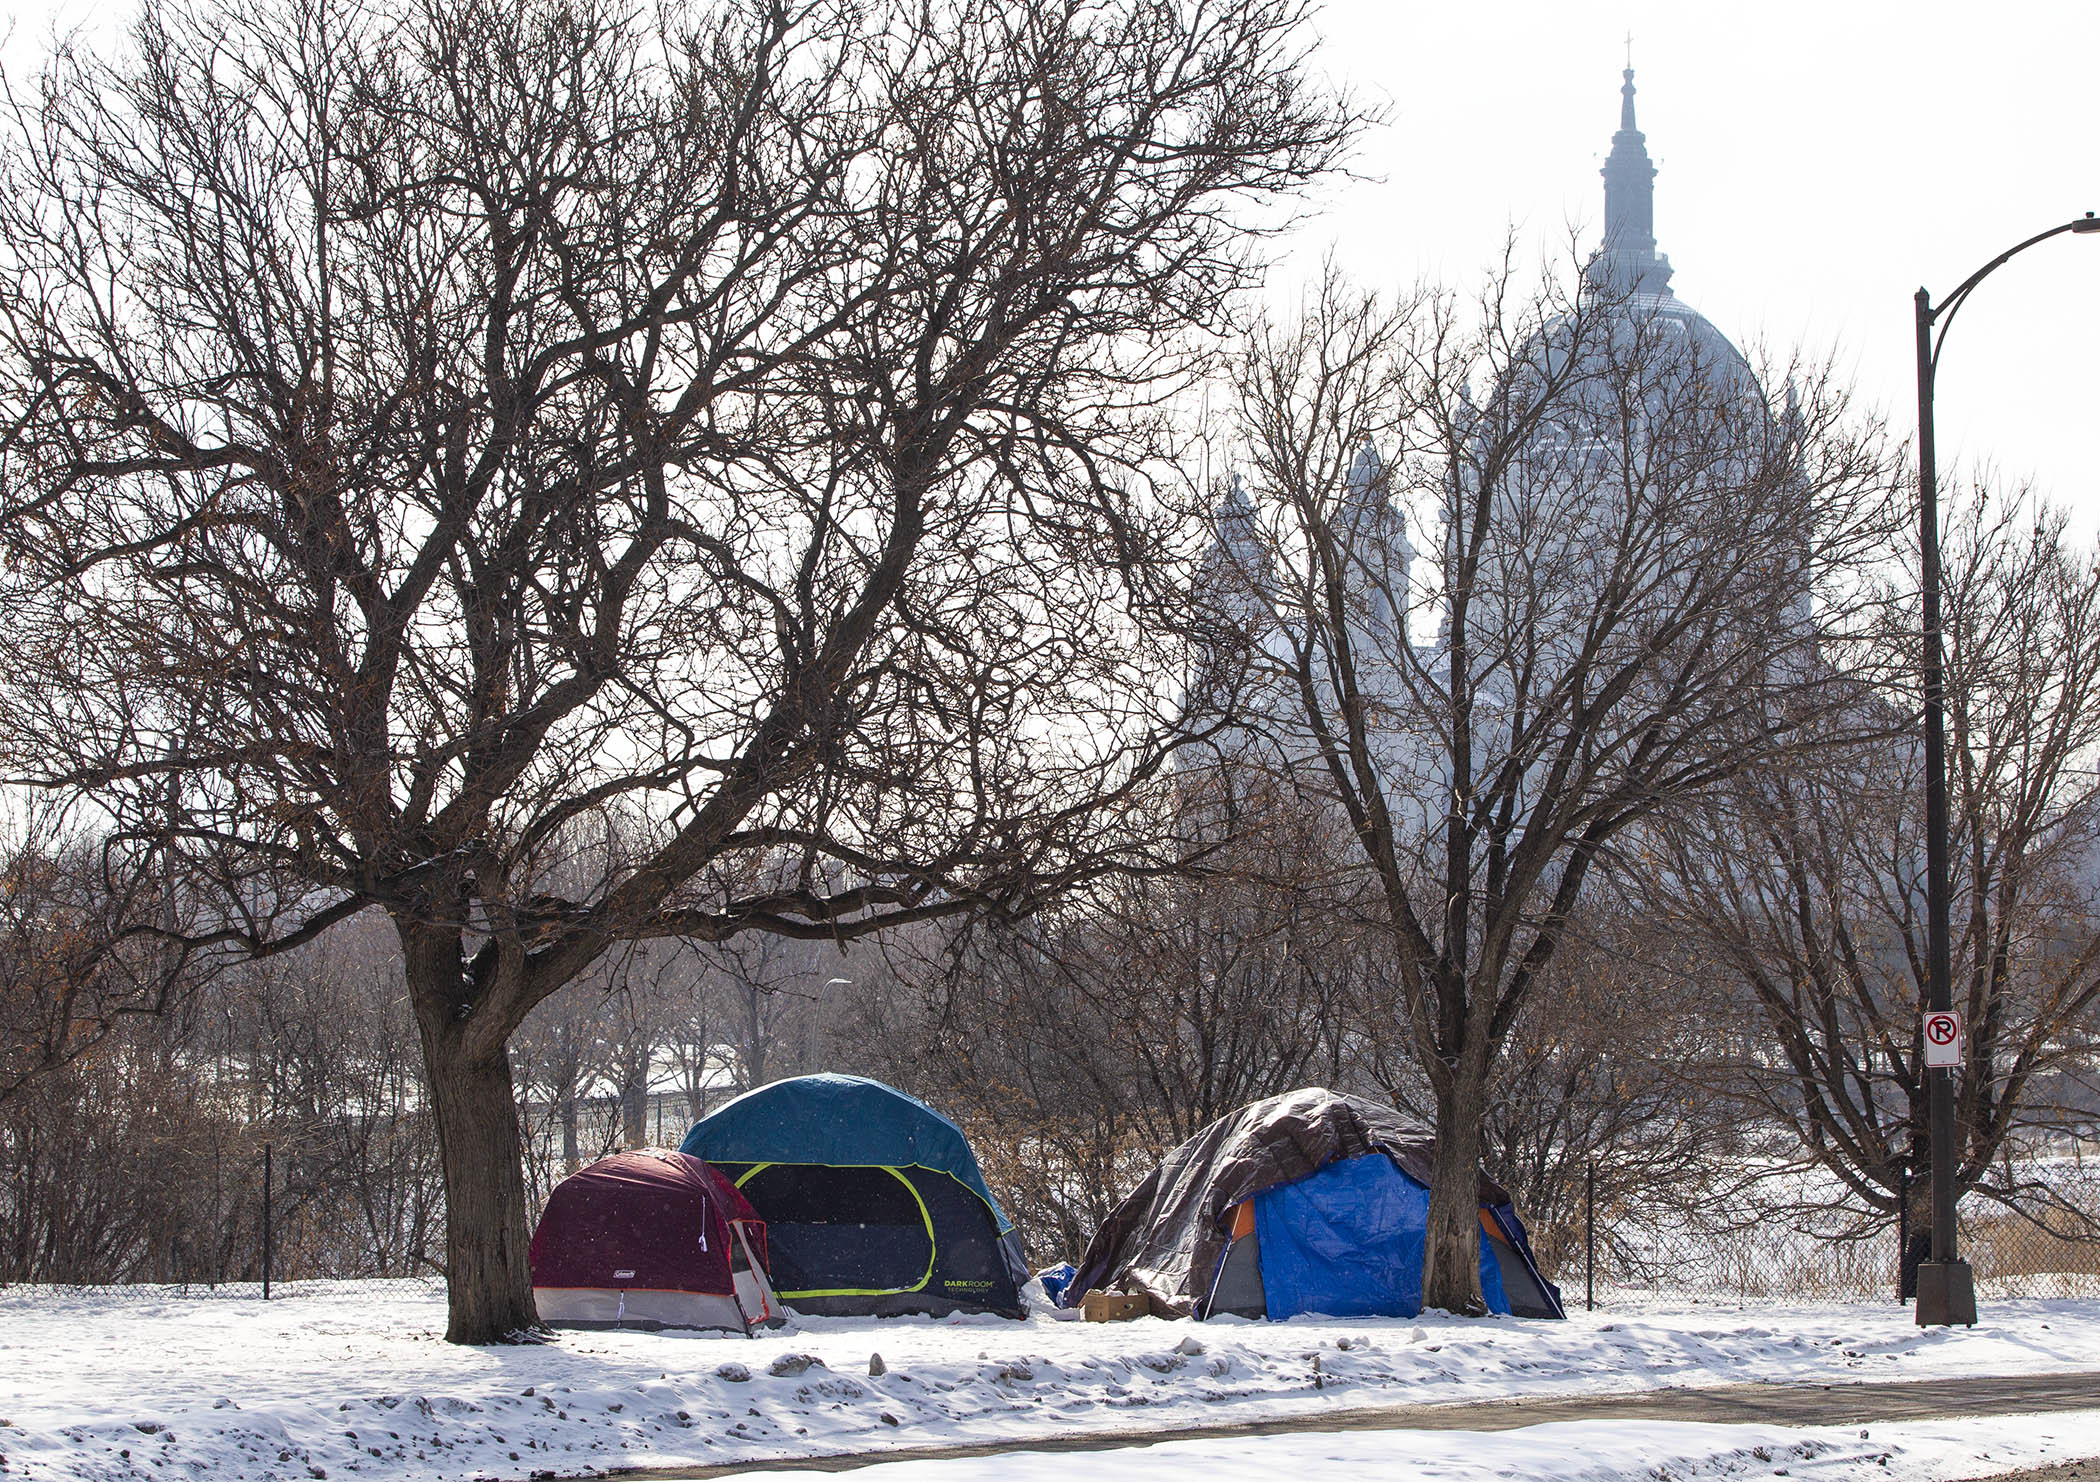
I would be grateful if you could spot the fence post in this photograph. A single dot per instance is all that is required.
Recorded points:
(1902, 1229)
(267, 1231)
(1589, 1237)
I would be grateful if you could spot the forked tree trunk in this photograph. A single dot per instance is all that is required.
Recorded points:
(1451, 1249)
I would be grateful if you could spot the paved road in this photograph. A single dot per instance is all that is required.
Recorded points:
(1740, 1404)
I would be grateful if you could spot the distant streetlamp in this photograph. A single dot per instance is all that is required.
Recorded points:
(1946, 1288)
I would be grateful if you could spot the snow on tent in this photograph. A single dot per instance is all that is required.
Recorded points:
(872, 1199)
(1307, 1202)
(651, 1239)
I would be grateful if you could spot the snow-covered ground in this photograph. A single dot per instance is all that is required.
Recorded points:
(340, 1382)
(1582, 1451)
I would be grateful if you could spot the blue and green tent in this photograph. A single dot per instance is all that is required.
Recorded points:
(873, 1201)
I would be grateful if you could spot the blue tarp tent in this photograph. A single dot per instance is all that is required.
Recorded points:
(1311, 1201)
(1347, 1241)
(873, 1201)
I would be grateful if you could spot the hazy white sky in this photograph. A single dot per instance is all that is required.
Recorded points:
(1818, 163)
(1820, 159)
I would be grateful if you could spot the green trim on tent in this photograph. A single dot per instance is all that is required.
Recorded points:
(933, 1247)
(1000, 1222)
(840, 1121)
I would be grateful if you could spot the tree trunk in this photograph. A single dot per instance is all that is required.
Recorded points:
(488, 1276)
(487, 1228)
(1917, 1250)
(1917, 1221)
(634, 1100)
(1451, 1249)
(751, 1054)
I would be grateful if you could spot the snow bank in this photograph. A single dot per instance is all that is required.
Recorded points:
(339, 1382)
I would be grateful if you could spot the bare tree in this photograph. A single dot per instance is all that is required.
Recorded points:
(1634, 561)
(432, 422)
(82, 949)
(1602, 1086)
(1804, 883)
(558, 1052)
(693, 1041)
(312, 1053)
(1080, 1045)
(768, 990)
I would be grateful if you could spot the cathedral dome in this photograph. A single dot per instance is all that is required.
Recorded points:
(1630, 329)
(1628, 271)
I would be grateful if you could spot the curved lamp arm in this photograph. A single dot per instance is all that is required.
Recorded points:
(1954, 300)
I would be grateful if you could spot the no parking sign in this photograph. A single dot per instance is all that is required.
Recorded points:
(1942, 1039)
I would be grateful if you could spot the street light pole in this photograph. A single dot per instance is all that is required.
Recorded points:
(1946, 1287)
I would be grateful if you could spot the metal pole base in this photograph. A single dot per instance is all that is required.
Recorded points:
(1946, 1294)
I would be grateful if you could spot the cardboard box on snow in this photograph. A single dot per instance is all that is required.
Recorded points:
(1114, 1306)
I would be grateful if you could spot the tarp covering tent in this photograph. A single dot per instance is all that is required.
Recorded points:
(873, 1201)
(651, 1239)
(1307, 1202)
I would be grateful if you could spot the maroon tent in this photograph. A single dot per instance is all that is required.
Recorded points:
(651, 1239)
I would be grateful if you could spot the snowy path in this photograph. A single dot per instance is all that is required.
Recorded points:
(345, 1384)
(1582, 1451)
(1714, 1422)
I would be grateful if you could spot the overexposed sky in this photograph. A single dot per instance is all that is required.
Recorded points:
(1819, 162)
(1820, 159)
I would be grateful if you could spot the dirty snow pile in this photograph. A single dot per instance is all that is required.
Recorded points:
(343, 1382)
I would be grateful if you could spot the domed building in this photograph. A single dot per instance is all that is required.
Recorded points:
(1627, 268)
(1631, 371)
(1628, 406)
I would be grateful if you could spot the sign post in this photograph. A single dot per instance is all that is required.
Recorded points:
(1946, 1292)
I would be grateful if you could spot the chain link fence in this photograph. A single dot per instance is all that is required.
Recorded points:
(349, 1206)
(221, 1209)
(272, 1224)
(272, 1232)
(1777, 1243)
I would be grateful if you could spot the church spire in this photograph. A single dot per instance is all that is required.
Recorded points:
(1628, 261)
(1236, 562)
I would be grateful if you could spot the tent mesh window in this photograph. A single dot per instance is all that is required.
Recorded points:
(841, 1230)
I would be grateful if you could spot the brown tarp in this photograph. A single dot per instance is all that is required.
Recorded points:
(1165, 1239)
